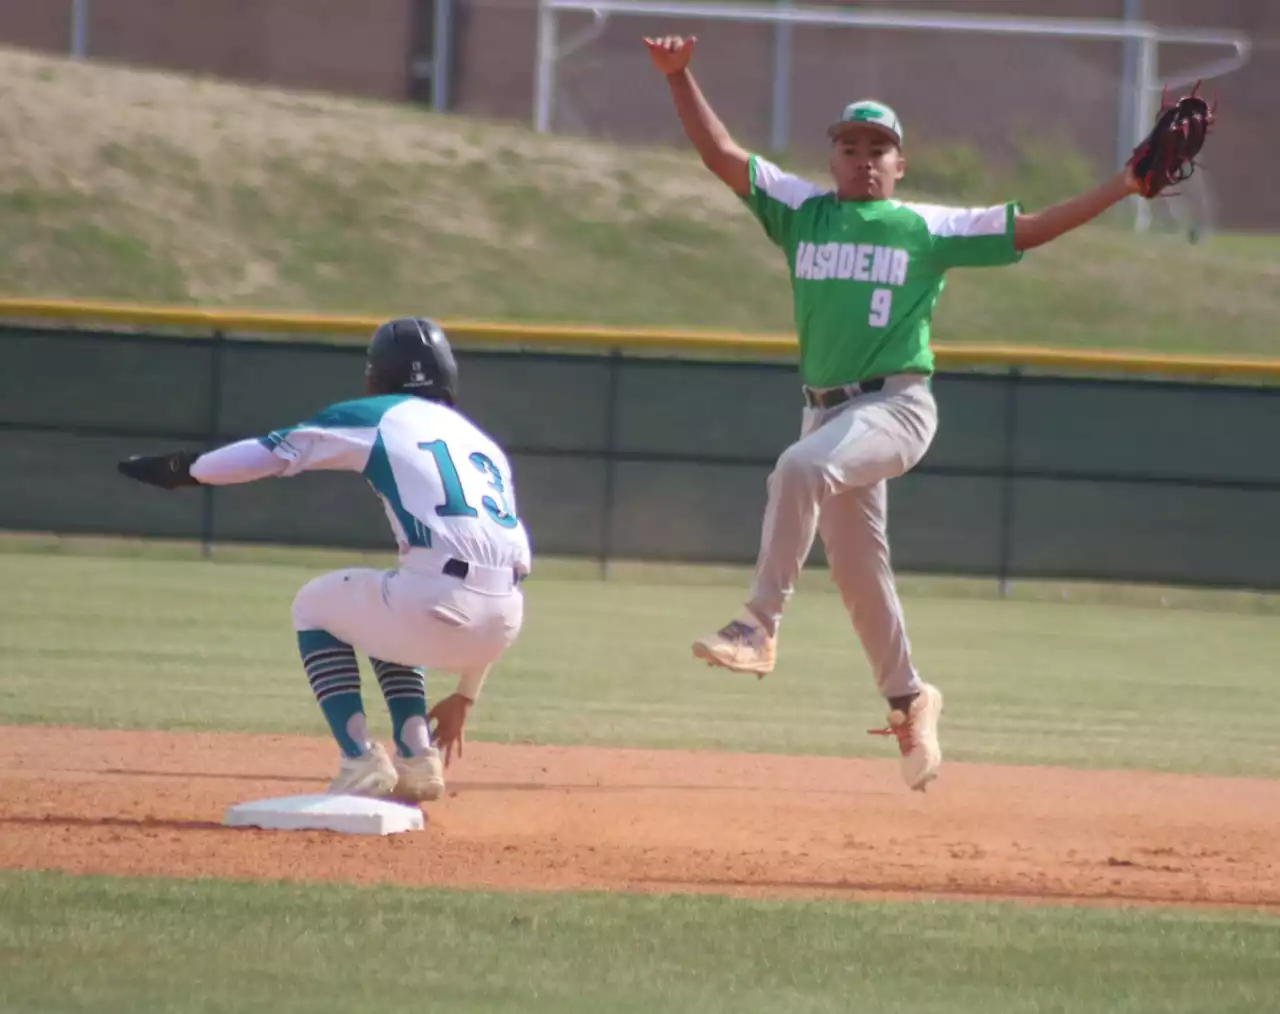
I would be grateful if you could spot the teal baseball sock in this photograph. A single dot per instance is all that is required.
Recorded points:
(405, 691)
(334, 675)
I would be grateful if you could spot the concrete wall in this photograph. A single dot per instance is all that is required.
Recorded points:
(946, 88)
(335, 45)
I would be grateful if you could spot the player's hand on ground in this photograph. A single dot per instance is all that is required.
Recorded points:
(449, 716)
(671, 53)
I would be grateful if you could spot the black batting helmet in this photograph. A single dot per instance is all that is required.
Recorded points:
(412, 355)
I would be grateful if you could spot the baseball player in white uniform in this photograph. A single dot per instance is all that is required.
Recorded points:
(454, 601)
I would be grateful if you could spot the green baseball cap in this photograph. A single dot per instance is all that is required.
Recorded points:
(868, 113)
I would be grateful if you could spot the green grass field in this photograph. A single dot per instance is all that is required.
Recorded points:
(150, 637)
(127, 184)
(231, 946)
(196, 645)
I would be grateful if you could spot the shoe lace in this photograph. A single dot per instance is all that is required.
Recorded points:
(902, 731)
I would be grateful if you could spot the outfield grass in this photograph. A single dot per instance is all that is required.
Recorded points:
(129, 184)
(186, 644)
(92, 944)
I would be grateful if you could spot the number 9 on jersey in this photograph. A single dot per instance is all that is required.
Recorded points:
(881, 305)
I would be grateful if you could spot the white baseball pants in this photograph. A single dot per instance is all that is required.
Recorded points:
(418, 616)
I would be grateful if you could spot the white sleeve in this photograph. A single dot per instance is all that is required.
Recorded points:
(311, 447)
(243, 461)
(783, 187)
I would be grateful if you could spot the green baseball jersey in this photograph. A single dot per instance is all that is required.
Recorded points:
(866, 275)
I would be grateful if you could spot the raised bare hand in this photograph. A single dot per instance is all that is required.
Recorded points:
(671, 53)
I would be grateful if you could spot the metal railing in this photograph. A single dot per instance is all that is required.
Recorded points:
(1138, 105)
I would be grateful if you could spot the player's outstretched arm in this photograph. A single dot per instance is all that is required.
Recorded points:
(244, 461)
(720, 152)
(1040, 227)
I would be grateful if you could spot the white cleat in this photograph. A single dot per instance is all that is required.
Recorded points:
(742, 645)
(421, 778)
(917, 732)
(372, 774)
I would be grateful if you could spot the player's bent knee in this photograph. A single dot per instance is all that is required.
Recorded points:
(796, 469)
(309, 605)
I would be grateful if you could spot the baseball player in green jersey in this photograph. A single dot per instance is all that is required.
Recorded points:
(866, 272)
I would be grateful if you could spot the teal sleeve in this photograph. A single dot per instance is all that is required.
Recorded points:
(359, 413)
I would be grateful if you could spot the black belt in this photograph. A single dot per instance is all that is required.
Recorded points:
(460, 569)
(839, 395)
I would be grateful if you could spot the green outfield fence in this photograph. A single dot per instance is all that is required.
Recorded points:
(655, 445)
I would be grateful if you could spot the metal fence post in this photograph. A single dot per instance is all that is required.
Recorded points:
(610, 461)
(1128, 88)
(208, 502)
(544, 78)
(79, 29)
(1144, 111)
(442, 40)
(779, 128)
(1006, 484)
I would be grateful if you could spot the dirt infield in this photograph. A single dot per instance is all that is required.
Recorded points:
(648, 821)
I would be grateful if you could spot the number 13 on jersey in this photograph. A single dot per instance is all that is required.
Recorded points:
(455, 499)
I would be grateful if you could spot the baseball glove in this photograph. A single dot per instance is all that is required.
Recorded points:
(168, 471)
(1167, 155)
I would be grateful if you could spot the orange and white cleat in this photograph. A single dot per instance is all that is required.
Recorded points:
(917, 732)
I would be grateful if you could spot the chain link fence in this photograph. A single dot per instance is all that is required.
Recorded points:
(627, 457)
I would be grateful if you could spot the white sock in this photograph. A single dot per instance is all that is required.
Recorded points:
(416, 736)
(358, 730)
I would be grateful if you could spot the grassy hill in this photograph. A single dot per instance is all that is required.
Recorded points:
(125, 184)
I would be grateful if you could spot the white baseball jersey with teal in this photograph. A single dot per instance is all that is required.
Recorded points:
(443, 482)
(448, 493)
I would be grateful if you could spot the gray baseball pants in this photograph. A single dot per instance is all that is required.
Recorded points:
(833, 480)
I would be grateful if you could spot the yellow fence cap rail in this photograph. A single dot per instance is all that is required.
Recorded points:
(559, 336)
(143, 315)
(266, 322)
(1106, 361)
